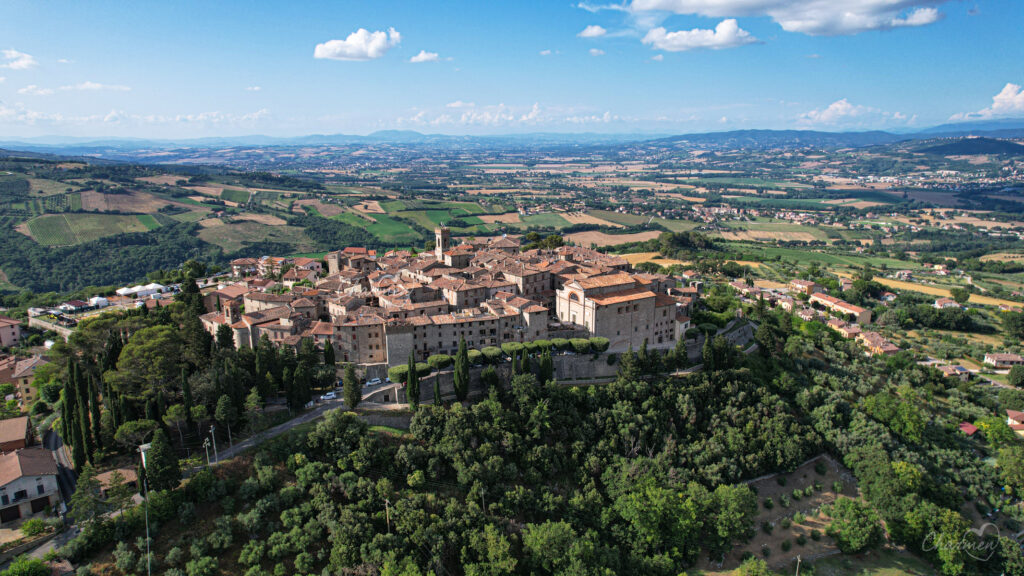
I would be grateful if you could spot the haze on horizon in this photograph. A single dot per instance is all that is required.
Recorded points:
(192, 69)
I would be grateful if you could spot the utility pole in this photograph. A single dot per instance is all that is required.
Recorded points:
(216, 459)
(206, 444)
(387, 513)
(797, 565)
(145, 495)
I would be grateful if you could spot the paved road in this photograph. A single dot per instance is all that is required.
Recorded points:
(65, 471)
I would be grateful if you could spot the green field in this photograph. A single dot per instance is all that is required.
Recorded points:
(390, 230)
(51, 230)
(352, 219)
(234, 236)
(44, 187)
(750, 183)
(148, 221)
(430, 219)
(544, 220)
(235, 195)
(875, 563)
(66, 229)
(191, 216)
(804, 256)
(677, 225)
(777, 226)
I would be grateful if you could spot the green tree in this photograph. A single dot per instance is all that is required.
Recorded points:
(87, 504)
(545, 368)
(254, 410)
(350, 387)
(1016, 377)
(461, 375)
(226, 415)
(225, 337)
(412, 384)
(26, 566)
(176, 416)
(119, 492)
(961, 295)
(489, 378)
(437, 390)
(131, 434)
(329, 357)
(162, 469)
(855, 525)
(489, 553)
(629, 366)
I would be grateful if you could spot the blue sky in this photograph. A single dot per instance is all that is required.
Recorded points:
(191, 69)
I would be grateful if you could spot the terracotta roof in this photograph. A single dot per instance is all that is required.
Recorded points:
(5, 321)
(232, 291)
(604, 281)
(1015, 415)
(13, 429)
(968, 428)
(28, 462)
(128, 473)
(623, 296)
(664, 300)
(322, 329)
(25, 367)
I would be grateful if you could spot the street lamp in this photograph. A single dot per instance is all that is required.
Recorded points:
(216, 459)
(145, 495)
(206, 444)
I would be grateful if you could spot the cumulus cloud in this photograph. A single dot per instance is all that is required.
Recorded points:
(253, 88)
(814, 17)
(596, 52)
(727, 34)
(844, 113)
(1009, 101)
(17, 60)
(469, 115)
(424, 56)
(592, 31)
(658, 57)
(88, 86)
(33, 90)
(460, 104)
(833, 113)
(360, 45)
(545, 52)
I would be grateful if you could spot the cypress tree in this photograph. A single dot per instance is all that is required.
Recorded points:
(94, 414)
(350, 387)
(515, 362)
(412, 386)
(523, 363)
(545, 368)
(437, 390)
(329, 359)
(186, 393)
(461, 376)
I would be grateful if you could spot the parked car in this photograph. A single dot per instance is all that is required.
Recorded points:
(329, 396)
(373, 381)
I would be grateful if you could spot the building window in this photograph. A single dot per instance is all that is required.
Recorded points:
(20, 494)
(40, 489)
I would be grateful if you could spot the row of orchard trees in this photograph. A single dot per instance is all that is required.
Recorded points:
(124, 375)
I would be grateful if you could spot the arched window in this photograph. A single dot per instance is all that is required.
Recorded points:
(574, 297)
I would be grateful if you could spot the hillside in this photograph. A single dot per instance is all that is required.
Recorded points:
(974, 146)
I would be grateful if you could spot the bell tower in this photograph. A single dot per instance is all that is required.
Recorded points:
(442, 241)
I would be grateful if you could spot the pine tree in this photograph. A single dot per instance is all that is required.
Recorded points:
(162, 469)
(225, 414)
(254, 409)
(350, 387)
(707, 354)
(186, 395)
(412, 385)
(225, 337)
(461, 376)
(629, 369)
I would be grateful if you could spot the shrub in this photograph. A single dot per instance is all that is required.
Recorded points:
(531, 347)
(33, 527)
(599, 344)
(767, 527)
(510, 348)
(798, 494)
(493, 354)
(124, 557)
(785, 523)
(612, 359)
(439, 361)
(204, 566)
(780, 480)
(837, 487)
(786, 545)
(820, 468)
(784, 500)
(475, 356)
(798, 518)
(175, 556)
(542, 345)
(580, 345)
(422, 369)
(815, 535)
(398, 373)
(817, 486)
(809, 491)
(766, 551)
(801, 540)
(560, 344)
(769, 504)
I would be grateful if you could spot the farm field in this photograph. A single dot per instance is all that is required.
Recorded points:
(235, 236)
(390, 230)
(639, 257)
(593, 237)
(235, 195)
(619, 218)
(548, 220)
(67, 229)
(44, 187)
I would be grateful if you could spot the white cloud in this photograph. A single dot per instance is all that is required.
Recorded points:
(592, 31)
(360, 45)
(64, 61)
(33, 90)
(843, 113)
(469, 115)
(814, 17)
(596, 52)
(17, 60)
(727, 34)
(1009, 101)
(2, 79)
(658, 57)
(424, 56)
(545, 52)
(88, 86)
(460, 104)
(253, 88)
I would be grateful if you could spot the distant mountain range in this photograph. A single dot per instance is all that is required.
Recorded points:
(972, 146)
(125, 148)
